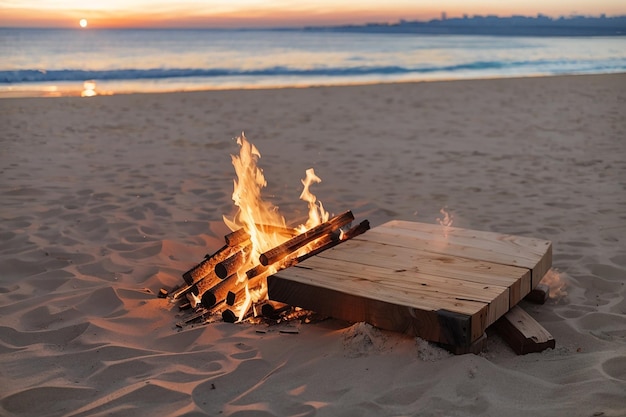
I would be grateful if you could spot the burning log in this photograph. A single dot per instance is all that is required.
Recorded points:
(328, 243)
(232, 264)
(230, 298)
(219, 292)
(226, 287)
(271, 309)
(207, 266)
(231, 290)
(237, 237)
(228, 316)
(257, 270)
(297, 242)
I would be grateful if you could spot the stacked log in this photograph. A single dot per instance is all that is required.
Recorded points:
(221, 283)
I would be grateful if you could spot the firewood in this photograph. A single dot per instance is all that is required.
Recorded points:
(228, 316)
(179, 292)
(231, 291)
(219, 291)
(325, 242)
(304, 238)
(272, 309)
(237, 237)
(230, 298)
(207, 283)
(330, 241)
(231, 264)
(208, 299)
(257, 270)
(207, 266)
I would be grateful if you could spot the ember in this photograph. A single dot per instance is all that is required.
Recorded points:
(232, 282)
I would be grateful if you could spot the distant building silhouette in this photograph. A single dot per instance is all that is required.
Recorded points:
(493, 25)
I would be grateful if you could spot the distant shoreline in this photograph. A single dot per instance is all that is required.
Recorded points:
(495, 26)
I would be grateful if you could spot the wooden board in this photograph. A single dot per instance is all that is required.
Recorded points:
(523, 333)
(443, 284)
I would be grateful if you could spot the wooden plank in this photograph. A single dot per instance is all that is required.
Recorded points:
(393, 239)
(418, 261)
(523, 333)
(531, 253)
(438, 326)
(413, 290)
(413, 296)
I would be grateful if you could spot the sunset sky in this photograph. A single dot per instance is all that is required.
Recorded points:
(263, 13)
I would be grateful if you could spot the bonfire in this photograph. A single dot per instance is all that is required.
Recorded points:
(232, 282)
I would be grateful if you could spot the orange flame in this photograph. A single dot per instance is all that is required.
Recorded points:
(253, 213)
(317, 214)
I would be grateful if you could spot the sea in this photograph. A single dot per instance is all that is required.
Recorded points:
(57, 62)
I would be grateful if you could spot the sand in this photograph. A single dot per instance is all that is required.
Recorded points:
(105, 200)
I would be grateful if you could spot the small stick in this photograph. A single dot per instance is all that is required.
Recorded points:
(181, 291)
(198, 314)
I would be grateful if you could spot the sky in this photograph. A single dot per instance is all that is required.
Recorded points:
(267, 13)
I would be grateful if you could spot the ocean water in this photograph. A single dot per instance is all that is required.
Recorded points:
(71, 61)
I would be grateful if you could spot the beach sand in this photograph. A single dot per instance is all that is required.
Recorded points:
(105, 200)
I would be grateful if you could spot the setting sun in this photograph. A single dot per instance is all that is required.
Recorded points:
(83, 23)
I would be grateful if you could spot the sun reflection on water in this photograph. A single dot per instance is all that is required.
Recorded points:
(89, 89)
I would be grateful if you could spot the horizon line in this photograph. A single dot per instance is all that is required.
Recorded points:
(442, 18)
